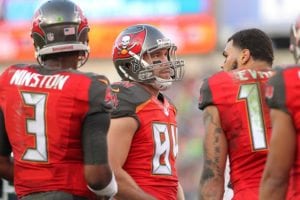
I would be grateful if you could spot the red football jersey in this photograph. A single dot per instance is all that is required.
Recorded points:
(151, 159)
(284, 94)
(44, 111)
(239, 97)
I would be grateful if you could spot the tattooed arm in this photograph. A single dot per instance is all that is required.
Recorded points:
(281, 157)
(215, 152)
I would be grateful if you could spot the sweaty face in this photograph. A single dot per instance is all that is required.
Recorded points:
(159, 59)
(231, 54)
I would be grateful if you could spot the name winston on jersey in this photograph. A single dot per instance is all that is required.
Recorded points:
(30, 79)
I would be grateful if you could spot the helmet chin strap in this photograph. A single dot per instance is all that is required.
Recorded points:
(161, 84)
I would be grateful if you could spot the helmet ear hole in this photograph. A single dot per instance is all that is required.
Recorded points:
(38, 41)
(83, 36)
(125, 71)
(128, 66)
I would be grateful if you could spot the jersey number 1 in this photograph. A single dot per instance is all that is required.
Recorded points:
(250, 92)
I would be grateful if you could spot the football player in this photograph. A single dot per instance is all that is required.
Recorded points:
(281, 178)
(236, 117)
(143, 138)
(55, 118)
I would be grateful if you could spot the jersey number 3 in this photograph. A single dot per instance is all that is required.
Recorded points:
(36, 126)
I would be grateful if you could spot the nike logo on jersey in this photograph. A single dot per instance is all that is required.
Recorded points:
(103, 81)
(116, 90)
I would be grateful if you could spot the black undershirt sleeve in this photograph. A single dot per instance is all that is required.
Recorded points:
(5, 146)
(94, 138)
(205, 98)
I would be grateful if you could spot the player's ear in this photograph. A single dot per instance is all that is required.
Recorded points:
(245, 56)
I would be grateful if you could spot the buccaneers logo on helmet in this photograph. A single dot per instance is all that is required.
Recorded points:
(129, 44)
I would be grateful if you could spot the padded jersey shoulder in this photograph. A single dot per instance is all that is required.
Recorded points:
(275, 89)
(206, 92)
(128, 97)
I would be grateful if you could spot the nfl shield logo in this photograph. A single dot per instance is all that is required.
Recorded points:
(50, 37)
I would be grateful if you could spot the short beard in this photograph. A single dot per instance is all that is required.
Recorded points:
(235, 65)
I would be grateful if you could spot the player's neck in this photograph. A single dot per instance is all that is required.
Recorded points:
(258, 65)
(150, 89)
(60, 64)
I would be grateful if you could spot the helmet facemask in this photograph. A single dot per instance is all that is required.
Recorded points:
(152, 67)
(173, 65)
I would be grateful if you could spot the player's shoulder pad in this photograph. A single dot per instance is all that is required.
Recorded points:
(17, 66)
(275, 90)
(22, 65)
(130, 92)
(13, 68)
(98, 77)
(128, 97)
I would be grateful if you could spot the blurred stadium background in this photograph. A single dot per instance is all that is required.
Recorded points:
(200, 28)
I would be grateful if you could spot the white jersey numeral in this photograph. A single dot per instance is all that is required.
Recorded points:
(251, 93)
(166, 143)
(36, 127)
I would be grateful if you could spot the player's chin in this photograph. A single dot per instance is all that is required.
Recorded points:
(165, 76)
